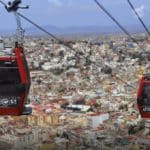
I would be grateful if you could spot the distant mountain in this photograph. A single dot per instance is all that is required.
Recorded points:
(83, 30)
(7, 32)
(77, 30)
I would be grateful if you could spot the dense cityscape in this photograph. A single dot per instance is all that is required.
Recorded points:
(84, 98)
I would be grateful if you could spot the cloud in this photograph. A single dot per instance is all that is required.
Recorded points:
(140, 10)
(60, 3)
(56, 2)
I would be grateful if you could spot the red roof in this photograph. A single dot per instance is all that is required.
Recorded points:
(131, 138)
(91, 102)
(97, 114)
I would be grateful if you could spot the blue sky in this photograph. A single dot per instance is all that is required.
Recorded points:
(63, 13)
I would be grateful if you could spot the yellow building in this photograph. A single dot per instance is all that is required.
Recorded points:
(43, 120)
(49, 146)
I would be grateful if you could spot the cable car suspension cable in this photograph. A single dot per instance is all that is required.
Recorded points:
(61, 41)
(117, 23)
(138, 16)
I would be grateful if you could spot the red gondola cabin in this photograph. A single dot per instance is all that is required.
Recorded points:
(143, 96)
(14, 83)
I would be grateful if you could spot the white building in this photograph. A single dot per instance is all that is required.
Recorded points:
(21, 142)
(97, 119)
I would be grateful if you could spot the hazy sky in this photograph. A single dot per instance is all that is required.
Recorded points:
(64, 13)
